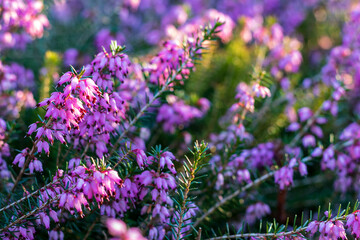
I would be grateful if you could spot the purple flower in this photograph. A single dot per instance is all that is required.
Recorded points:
(118, 229)
(309, 141)
(256, 211)
(305, 113)
(284, 177)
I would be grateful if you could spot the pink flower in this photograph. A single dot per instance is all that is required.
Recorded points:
(304, 114)
(294, 127)
(284, 177)
(141, 157)
(309, 141)
(118, 229)
(302, 169)
(256, 211)
(261, 91)
(353, 222)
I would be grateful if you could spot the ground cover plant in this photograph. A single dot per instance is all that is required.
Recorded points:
(195, 119)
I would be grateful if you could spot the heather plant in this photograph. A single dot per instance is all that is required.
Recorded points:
(144, 119)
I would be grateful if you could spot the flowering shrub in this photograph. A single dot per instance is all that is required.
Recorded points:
(144, 119)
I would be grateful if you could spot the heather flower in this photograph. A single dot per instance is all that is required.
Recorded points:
(19, 232)
(243, 176)
(116, 64)
(156, 233)
(302, 169)
(304, 114)
(20, 158)
(353, 222)
(167, 62)
(118, 229)
(85, 184)
(256, 211)
(177, 114)
(309, 141)
(261, 155)
(141, 157)
(294, 127)
(246, 99)
(328, 160)
(15, 85)
(20, 22)
(36, 165)
(219, 181)
(56, 235)
(332, 229)
(261, 91)
(284, 176)
(4, 151)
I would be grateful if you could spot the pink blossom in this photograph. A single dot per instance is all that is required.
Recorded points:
(304, 113)
(118, 229)
(256, 211)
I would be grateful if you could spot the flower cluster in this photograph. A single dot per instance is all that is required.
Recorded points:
(284, 56)
(109, 71)
(353, 222)
(19, 232)
(177, 115)
(344, 162)
(168, 62)
(107, 65)
(159, 184)
(331, 229)
(284, 176)
(16, 84)
(4, 151)
(256, 211)
(83, 185)
(65, 110)
(20, 22)
(307, 116)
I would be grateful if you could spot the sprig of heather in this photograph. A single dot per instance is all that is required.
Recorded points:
(184, 207)
(159, 183)
(282, 176)
(328, 227)
(175, 65)
(246, 95)
(64, 110)
(108, 70)
(72, 191)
